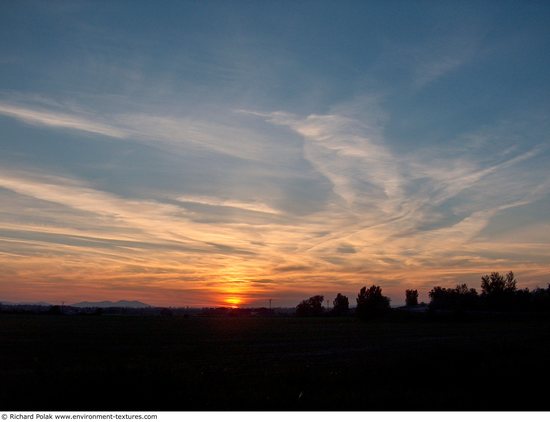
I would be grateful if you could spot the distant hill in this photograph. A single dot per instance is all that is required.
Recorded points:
(109, 304)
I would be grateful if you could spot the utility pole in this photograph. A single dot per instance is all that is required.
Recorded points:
(270, 304)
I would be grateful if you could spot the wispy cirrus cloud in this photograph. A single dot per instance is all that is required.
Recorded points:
(160, 129)
(349, 153)
(270, 147)
(397, 195)
(57, 119)
(388, 213)
(231, 203)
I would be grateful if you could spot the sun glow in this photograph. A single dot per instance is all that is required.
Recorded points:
(234, 302)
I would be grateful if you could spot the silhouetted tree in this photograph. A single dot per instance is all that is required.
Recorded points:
(440, 298)
(497, 283)
(540, 299)
(411, 297)
(458, 299)
(466, 299)
(499, 291)
(341, 304)
(523, 300)
(311, 307)
(371, 302)
(166, 312)
(54, 310)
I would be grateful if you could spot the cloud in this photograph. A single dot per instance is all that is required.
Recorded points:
(291, 268)
(60, 120)
(445, 53)
(217, 202)
(346, 249)
(350, 154)
(155, 221)
(387, 214)
(431, 70)
(218, 133)
(387, 200)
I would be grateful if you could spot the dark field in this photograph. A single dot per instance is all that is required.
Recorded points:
(170, 363)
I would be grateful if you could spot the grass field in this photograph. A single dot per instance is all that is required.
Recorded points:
(170, 363)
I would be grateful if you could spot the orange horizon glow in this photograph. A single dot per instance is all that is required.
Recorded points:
(285, 290)
(234, 168)
(233, 302)
(97, 245)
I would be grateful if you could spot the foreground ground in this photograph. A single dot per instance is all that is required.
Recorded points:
(170, 363)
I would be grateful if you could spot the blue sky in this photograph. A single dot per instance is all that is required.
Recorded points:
(192, 153)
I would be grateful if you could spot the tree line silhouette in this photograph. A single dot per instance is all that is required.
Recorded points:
(499, 293)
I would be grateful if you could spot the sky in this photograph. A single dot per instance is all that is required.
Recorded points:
(210, 153)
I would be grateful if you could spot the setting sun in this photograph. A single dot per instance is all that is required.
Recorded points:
(271, 173)
(274, 206)
(234, 302)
